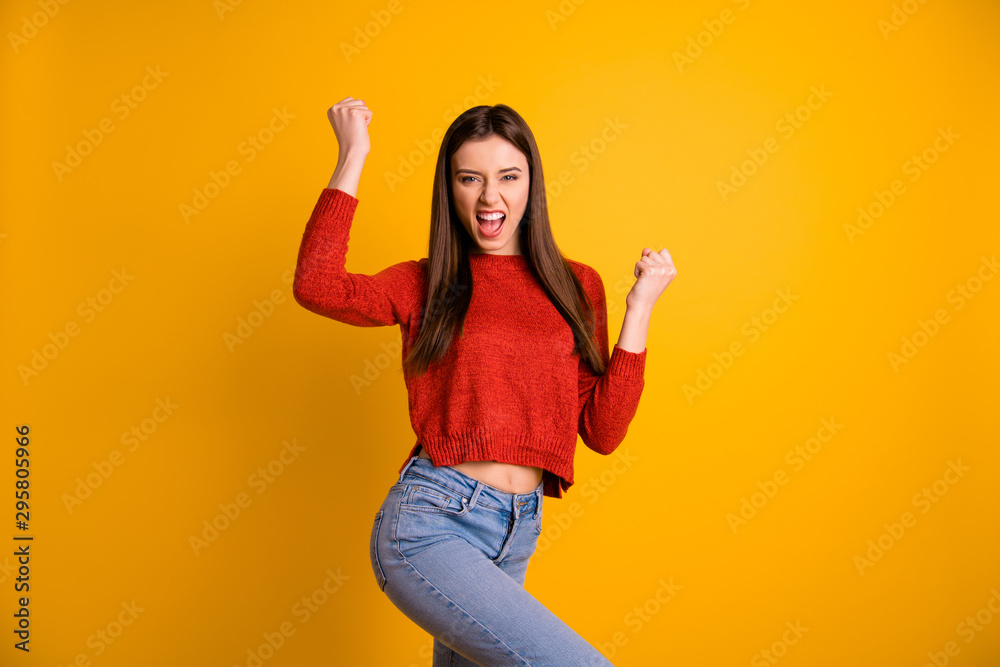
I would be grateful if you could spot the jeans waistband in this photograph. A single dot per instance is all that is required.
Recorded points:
(477, 490)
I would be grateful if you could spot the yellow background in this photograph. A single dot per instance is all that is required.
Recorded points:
(572, 70)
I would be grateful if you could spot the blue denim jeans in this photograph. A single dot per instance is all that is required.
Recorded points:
(451, 552)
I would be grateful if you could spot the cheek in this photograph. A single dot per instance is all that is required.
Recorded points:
(466, 207)
(461, 208)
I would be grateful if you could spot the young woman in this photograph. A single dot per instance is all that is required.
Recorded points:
(506, 361)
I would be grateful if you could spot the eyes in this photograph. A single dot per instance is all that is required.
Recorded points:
(513, 177)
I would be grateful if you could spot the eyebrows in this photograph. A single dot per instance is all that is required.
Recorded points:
(473, 171)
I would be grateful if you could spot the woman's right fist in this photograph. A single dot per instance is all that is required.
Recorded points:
(350, 118)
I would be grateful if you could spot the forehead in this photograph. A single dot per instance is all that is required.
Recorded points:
(493, 152)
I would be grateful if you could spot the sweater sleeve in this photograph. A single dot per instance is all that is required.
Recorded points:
(608, 402)
(323, 285)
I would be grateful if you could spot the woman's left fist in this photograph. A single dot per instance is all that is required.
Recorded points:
(653, 273)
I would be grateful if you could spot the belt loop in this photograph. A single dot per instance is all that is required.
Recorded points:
(475, 495)
(407, 466)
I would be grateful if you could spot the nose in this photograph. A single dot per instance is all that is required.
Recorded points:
(491, 191)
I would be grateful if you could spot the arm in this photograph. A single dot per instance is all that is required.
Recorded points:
(347, 174)
(607, 403)
(323, 285)
(606, 413)
(635, 327)
(349, 119)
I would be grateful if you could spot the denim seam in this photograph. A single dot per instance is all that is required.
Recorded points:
(378, 561)
(434, 510)
(459, 492)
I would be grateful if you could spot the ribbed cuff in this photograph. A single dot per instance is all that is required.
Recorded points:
(627, 364)
(333, 201)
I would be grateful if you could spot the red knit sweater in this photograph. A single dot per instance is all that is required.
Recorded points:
(509, 390)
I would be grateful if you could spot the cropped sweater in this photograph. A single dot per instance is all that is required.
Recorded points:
(510, 389)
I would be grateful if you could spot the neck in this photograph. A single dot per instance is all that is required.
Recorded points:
(477, 251)
(495, 255)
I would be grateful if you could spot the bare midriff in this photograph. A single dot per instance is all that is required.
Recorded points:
(508, 477)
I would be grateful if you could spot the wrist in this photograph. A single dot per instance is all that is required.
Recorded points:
(638, 314)
(351, 157)
(347, 174)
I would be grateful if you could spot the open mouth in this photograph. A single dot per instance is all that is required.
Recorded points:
(490, 227)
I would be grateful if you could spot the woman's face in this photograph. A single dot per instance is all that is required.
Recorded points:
(488, 176)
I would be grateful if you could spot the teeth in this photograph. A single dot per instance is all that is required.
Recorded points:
(489, 216)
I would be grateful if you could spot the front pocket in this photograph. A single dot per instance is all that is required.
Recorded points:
(373, 551)
(425, 498)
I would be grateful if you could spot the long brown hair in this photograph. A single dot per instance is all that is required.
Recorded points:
(449, 277)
